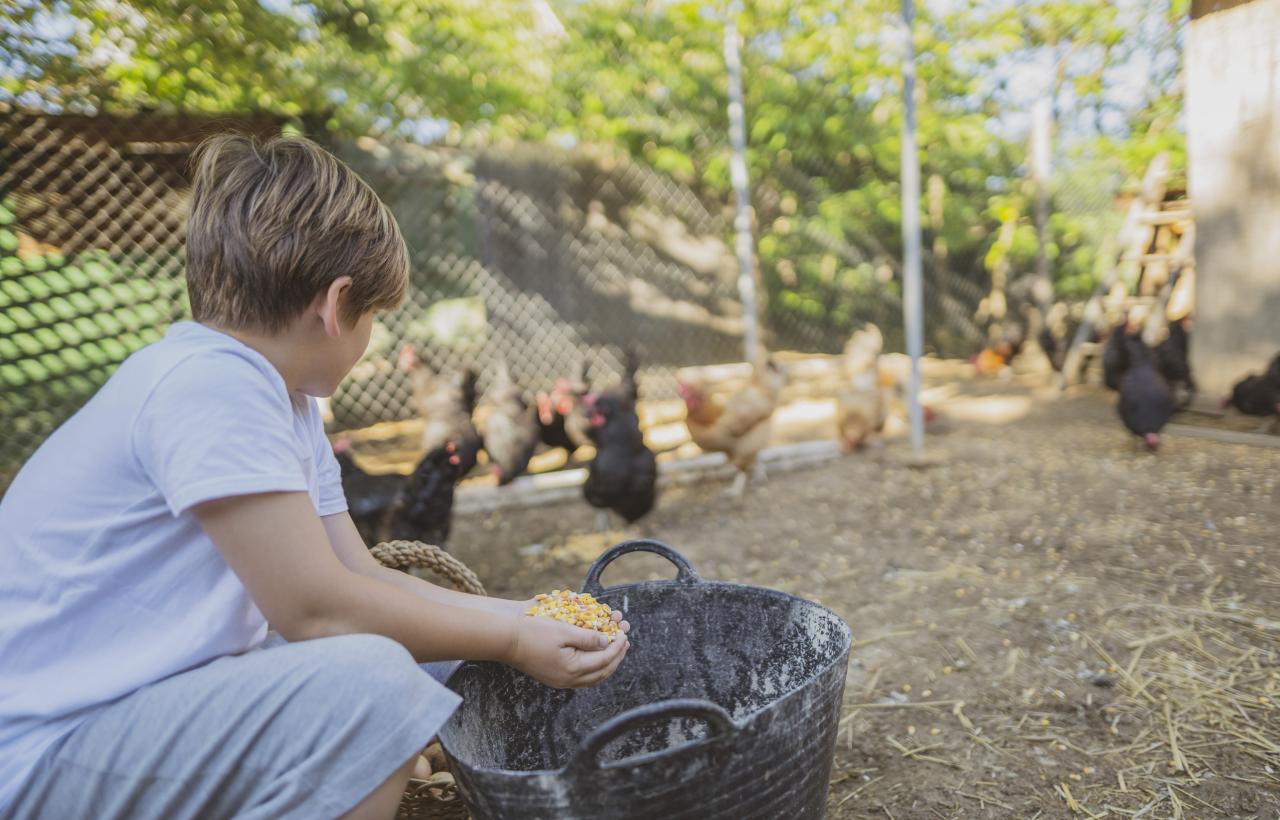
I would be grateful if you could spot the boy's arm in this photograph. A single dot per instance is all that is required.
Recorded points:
(277, 546)
(352, 552)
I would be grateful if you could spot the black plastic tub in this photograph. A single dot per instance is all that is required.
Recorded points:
(726, 706)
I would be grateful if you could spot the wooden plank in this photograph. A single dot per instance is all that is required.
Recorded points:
(1166, 217)
(1203, 8)
(1224, 436)
(566, 485)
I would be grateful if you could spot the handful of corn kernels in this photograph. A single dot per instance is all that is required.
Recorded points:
(576, 609)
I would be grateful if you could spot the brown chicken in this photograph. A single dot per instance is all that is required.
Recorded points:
(738, 426)
(992, 359)
(511, 429)
(862, 405)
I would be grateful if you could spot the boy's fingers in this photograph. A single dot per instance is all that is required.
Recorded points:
(588, 640)
(623, 625)
(592, 662)
(607, 672)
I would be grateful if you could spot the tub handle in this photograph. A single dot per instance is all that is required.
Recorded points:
(720, 721)
(685, 573)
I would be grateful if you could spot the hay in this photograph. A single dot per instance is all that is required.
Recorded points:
(1201, 681)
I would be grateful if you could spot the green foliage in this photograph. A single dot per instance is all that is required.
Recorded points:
(65, 325)
(823, 103)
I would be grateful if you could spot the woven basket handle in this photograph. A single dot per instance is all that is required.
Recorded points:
(406, 554)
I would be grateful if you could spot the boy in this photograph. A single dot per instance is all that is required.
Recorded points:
(147, 544)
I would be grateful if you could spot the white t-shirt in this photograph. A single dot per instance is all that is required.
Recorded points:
(107, 582)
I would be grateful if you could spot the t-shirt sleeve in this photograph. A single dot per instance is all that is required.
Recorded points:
(329, 475)
(215, 427)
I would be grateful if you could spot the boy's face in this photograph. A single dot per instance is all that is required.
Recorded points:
(340, 355)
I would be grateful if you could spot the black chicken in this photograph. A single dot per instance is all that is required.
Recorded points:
(1173, 363)
(511, 430)
(368, 495)
(623, 475)
(626, 393)
(1115, 356)
(1258, 395)
(1146, 402)
(562, 418)
(1054, 350)
(423, 509)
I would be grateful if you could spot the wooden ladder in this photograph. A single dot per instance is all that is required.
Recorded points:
(1155, 267)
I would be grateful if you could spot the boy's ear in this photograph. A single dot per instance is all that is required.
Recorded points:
(328, 305)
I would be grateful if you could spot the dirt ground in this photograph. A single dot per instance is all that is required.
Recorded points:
(1048, 621)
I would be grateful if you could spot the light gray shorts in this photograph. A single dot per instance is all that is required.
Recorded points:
(292, 730)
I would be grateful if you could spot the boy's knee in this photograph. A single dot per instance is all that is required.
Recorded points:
(380, 664)
(365, 648)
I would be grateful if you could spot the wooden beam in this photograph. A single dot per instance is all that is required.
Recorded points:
(1203, 8)
(566, 485)
(1224, 436)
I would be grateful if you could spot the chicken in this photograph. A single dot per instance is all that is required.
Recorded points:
(1173, 363)
(511, 429)
(1146, 402)
(1054, 350)
(740, 425)
(1056, 346)
(993, 358)
(423, 509)
(624, 473)
(628, 387)
(447, 403)
(625, 392)
(1258, 395)
(861, 404)
(988, 362)
(562, 418)
(1115, 356)
(368, 495)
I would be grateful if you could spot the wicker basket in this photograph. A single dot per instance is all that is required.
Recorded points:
(423, 800)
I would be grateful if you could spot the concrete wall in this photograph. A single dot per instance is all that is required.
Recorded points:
(1233, 122)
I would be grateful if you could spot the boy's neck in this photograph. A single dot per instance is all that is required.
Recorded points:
(286, 353)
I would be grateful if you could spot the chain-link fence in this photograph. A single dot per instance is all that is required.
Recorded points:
(544, 259)
(90, 255)
(541, 243)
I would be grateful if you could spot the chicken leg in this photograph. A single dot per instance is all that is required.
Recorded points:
(738, 487)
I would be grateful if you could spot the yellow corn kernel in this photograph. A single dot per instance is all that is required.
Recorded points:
(580, 610)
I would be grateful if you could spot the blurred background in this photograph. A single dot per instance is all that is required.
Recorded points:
(561, 171)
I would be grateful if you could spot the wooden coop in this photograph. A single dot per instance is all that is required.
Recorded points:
(1233, 127)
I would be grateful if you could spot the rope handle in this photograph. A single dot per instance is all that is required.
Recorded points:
(406, 554)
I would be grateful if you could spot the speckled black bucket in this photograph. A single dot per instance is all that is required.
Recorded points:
(727, 706)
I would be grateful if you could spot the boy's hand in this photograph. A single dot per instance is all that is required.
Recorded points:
(564, 656)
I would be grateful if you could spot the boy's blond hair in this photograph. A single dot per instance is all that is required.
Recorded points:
(274, 223)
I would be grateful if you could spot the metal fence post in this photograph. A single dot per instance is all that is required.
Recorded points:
(1041, 152)
(912, 303)
(745, 243)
